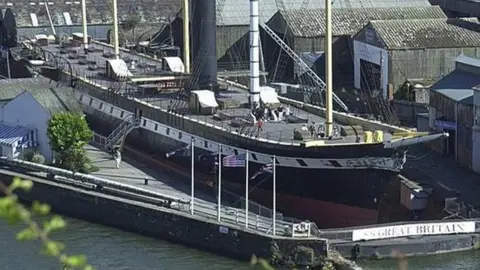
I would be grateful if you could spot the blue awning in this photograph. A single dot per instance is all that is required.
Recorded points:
(17, 136)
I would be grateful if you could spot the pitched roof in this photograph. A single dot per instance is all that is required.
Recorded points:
(53, 99)
(99, 11)
(429, 33)
(348, 21)
(236, 12)
(464, 96)
(457, 79)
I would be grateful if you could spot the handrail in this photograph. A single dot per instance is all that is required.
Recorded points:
(229, 215)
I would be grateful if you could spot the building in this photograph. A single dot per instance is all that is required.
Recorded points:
(26, 107)
(476, 130)
(32, 17)
(459, 8)
(304, 31)
(233, 18)
(388, 53)
(451, 109)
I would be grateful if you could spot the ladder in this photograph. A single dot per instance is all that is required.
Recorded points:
(118, 135)
(302, 64)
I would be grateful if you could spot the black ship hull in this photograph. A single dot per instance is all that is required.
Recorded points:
(330, 197)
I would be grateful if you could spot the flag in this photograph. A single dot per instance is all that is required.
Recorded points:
(267, 168)
(234, 160)
(184, 151)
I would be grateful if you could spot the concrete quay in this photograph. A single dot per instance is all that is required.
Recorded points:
(108, 201)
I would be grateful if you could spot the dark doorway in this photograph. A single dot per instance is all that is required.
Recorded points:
(370, 75)
(451, 142)
(138, 113)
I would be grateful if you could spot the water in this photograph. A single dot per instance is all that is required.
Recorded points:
(111, 249)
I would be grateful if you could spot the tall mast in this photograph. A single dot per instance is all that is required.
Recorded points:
(186, 35)
(328, 69)
(254, 53)
(115, 30)
(84, 25)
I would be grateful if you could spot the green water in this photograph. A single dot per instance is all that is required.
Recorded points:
(111, 249)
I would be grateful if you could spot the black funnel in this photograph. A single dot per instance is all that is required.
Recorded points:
(204, 32)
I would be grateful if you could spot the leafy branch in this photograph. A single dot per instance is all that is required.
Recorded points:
(15, 213)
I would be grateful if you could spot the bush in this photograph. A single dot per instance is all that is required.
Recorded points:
(34, 156)
(38, 158)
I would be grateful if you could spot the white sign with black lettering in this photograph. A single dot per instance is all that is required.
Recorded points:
(413, 230)
(301, 229)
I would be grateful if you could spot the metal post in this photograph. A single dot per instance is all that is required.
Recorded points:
(84, 25)
(115, 30)
(8, 63)
(192, 191)
(274, 171)
(328, 69)
(219, 182)
(186, 35)
(246, 188)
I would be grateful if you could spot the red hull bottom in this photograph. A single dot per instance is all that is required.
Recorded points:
(324, 214)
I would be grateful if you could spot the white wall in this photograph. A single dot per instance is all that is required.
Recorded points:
(25, 111)
(374, 55)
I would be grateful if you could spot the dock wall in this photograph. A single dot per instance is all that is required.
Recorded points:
(97, 205)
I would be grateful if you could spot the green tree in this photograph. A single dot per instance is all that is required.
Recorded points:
(68, 134)
(15, 213)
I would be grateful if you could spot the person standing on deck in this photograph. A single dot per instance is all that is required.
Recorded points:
(117, 157)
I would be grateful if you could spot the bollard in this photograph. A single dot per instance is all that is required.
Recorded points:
(145, 181)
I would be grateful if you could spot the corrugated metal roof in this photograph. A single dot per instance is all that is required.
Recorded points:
(457, 79)
(430, 33)
(53, 99)
(464, 96)
(466, 60)
(13, 135)
(348, 21)
(236, 12)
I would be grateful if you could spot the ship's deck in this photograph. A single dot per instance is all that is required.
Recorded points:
(148, 68)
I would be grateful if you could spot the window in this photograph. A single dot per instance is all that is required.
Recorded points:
(100, 106)
(121, 114)
(156, 127)
(111, 110)
(144, 122)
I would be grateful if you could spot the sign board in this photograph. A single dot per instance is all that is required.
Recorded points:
(301, 229)
(413, 230)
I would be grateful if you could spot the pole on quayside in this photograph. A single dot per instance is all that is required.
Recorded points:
(328, 69)
(219, 182)
(186, 35)
(115, 30)
(274, 190)
(192, 191)
(246, 188)
(84, 25)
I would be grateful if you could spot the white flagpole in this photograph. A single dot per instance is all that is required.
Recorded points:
(246, 188)
(274, 171)
(192, 195)
(219, 182)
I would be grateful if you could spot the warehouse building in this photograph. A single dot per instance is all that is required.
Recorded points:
(391, 52)
(451, 109)
(304, 31)
(233, 19)
(476, 129)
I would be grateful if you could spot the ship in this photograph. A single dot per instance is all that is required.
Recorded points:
(325, 166)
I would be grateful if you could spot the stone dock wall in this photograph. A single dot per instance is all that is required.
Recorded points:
(90, 203)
